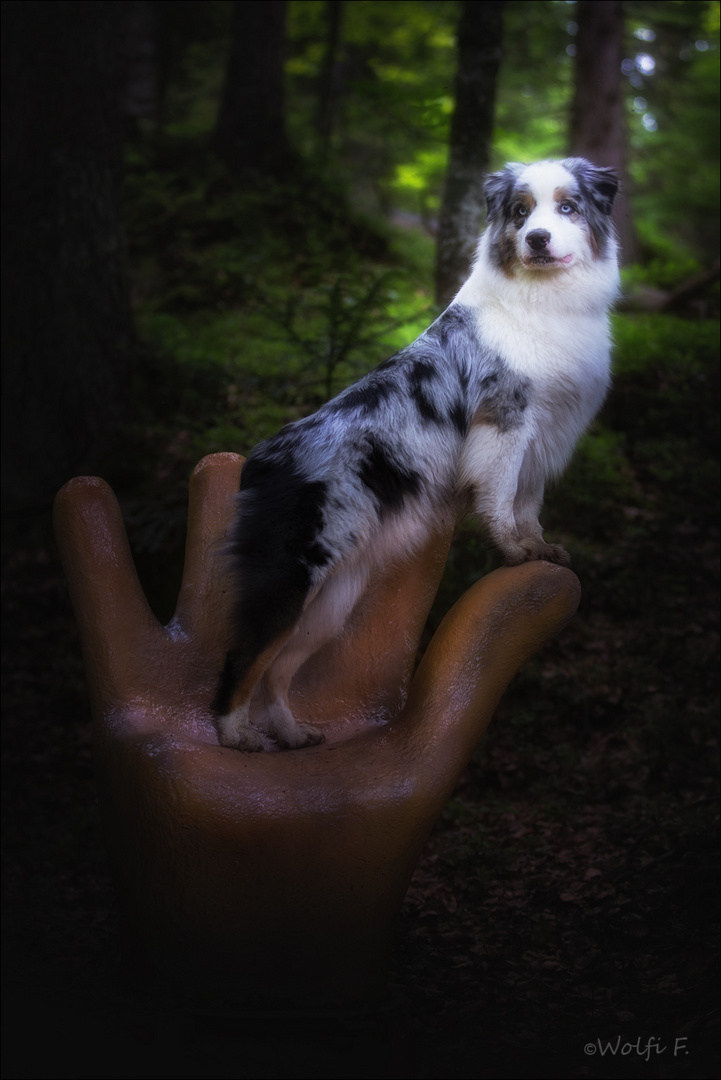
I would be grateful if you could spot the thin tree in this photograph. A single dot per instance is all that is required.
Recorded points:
(330, 76)
(250, 134)
(141, 26)
(598, 125)
(480, 33)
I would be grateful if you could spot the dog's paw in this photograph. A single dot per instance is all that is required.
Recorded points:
(236, 733)
(313, 735)
(278, 722)
(298, 737)
(554, 553)
(533, 549)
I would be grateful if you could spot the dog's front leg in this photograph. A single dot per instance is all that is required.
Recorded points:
(507, 497)
(526, 510)
(241, 675)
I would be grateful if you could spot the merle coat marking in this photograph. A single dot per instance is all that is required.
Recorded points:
(485, 405)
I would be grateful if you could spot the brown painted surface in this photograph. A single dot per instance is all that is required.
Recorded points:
(277, 877)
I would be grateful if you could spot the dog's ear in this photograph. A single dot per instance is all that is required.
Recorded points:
(600, 182)
(498, 188)
(605, 184)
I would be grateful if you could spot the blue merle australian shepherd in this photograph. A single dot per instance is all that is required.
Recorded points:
(478, 412)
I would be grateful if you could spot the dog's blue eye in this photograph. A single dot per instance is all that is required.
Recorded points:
(521, 210)
(567, 208)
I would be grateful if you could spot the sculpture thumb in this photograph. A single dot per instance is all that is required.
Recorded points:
(483, 641)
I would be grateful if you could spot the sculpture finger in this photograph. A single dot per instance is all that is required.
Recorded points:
(117, 626)
(206, 590)
(363, 675)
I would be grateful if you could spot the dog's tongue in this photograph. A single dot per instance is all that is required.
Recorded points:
(567, 259)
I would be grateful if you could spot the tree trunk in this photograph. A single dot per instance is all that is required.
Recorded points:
(330, 77)
(67, 326)
(598, 126)
(480, 33)
(140, 48)
(250, 134)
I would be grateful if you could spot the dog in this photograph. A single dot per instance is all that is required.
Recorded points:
(478, 413)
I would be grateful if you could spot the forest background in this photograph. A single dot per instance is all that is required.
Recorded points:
(215, 216)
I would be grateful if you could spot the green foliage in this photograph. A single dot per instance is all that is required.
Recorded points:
(535, 83)
(396, 66)
(339, 329)
(667, 379)
(673, 110)
(195, 45)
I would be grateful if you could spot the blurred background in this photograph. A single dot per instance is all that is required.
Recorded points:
(215, 216)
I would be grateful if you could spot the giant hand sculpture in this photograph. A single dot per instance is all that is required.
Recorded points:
(277, 877)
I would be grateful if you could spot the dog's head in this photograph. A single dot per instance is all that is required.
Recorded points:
(550, 216)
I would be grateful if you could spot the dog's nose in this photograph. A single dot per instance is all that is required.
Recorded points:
(538, 239)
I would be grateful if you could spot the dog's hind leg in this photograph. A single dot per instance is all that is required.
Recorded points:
(274, 716)
(265, 620)
(241, 674)
(322, 620)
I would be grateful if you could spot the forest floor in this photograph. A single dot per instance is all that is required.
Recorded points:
(563, 921)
